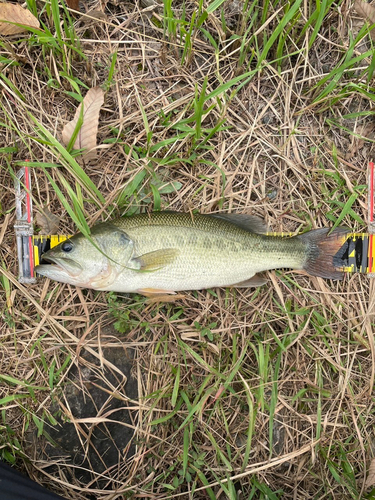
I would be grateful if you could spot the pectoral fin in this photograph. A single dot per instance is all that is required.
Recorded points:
(158, 259)
(254, 281)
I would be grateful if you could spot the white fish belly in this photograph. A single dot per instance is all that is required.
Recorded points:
(190, 273)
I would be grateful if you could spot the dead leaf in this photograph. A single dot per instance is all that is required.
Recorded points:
(370, 480)
(86, 138)
(92, 17)
(97, 14)
(367, 11)
(47, 221)
(364, 132)
(73, 4)
(14, 13)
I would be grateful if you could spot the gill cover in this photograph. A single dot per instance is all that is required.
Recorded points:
(116, 249)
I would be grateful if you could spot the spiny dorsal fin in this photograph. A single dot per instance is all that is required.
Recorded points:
(157, 259)
(250, 223)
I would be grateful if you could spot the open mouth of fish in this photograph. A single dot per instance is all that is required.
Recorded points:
(66, 265)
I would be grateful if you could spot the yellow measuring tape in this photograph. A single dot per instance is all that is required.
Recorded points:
(43, 243)
(357, 255)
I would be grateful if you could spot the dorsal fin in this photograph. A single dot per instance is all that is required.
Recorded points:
(250, 223)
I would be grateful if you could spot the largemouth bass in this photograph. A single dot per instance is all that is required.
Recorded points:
(166, 252)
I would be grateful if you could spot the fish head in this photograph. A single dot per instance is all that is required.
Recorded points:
(92, 262)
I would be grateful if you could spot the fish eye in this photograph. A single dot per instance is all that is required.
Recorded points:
(67, 246)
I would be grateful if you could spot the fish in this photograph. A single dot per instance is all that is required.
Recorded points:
(168, 252)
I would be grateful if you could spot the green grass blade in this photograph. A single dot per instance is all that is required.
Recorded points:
(176, 386)
(346, 210)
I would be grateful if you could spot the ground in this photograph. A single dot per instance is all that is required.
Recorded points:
(252, 107)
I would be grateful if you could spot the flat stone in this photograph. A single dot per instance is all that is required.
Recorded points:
(85, 451)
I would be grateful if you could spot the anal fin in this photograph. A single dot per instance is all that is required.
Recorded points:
(253, 282)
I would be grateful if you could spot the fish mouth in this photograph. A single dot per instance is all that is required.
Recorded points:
(66, 266)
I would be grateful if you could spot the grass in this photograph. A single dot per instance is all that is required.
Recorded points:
(258, 107)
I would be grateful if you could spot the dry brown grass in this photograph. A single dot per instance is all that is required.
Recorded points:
(296, 356)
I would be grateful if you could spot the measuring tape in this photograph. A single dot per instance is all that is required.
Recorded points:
(358, 254)
(24, 226)
(30, 247)
(371, 222)
(355, 256)
(42, 243)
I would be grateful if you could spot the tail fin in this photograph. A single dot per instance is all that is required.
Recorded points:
(321, 250)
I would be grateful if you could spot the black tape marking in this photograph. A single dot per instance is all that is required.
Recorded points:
(353, 254)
